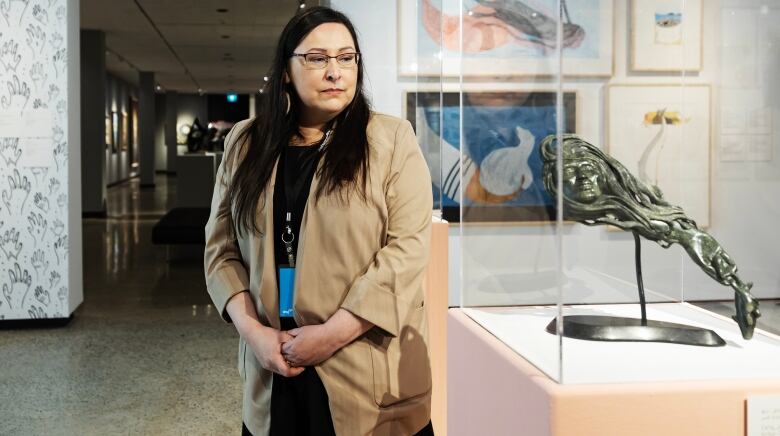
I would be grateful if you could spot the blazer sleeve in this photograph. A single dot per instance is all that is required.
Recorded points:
(392, 286)
(226, 274)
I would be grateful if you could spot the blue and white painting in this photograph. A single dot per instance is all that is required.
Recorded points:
(498, 178)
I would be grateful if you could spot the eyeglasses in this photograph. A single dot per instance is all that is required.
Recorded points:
(318, 61)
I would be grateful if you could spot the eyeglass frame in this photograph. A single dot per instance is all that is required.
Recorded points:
(305, 62)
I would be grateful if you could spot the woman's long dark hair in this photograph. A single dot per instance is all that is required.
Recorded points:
(627, 202)
(345, 160)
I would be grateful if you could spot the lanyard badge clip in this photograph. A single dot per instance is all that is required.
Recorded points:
(287, 273)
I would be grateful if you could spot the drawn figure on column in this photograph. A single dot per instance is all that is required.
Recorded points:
(15, 196)
(10, 245)
(15, 291)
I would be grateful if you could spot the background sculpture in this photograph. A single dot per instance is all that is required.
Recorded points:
(598, 189)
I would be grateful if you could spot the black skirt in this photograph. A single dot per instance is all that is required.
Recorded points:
(426, 431)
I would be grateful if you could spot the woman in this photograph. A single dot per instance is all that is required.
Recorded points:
(321, 214)
(597, 189)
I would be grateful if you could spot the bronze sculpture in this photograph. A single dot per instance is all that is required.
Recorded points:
(597, 189)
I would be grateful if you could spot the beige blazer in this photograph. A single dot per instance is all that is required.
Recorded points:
(367, 257)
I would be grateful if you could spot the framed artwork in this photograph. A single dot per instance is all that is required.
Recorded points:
(134, 132)
(662, 135)
(498, 178)
(516, 38)
(114, 131)
(666, 35)
(109, 133)
(732, 148)
(759, 148)
(124, 137)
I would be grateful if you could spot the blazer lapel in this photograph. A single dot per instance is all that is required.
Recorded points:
(268, 289)
(299, 254)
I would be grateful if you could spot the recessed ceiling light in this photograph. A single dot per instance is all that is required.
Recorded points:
(261, 90)
(302, 5)
(265, 78)
(159, 87)
(222, 10)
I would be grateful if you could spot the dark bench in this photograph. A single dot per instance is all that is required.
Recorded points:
(182, 225)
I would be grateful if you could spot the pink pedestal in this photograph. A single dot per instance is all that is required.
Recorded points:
(494, 391)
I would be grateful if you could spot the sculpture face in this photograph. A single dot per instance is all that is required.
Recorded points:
(581, 181)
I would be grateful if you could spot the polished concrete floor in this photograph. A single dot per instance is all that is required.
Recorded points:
(145, 354)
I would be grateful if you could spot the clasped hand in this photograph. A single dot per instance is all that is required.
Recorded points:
(309, 345)
(288, 352)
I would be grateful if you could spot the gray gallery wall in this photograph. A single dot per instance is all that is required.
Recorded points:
(160, 156)
(118, 95)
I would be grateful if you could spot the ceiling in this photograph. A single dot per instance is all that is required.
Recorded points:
(189, 47)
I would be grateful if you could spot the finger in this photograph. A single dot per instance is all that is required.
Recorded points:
(292, 372)
(291, 359)
(294, 332)
(281, 366)
(287, 369)
(287, 348)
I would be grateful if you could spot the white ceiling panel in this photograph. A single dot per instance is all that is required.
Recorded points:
(211, 35)
(240, 12)
(171, 37)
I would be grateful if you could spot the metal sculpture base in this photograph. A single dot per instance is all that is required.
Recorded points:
(613, 328)
(618, 329)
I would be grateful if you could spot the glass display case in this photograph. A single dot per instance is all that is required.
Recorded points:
(672, 107)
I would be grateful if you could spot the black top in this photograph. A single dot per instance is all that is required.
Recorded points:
(296, 168)
(299, 405)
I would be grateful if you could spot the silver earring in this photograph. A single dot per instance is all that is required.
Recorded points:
(287, 96)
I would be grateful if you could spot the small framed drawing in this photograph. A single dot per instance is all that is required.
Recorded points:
(115, 131)
(517, 38)
(759, 148)
(662, 135)
(498, 177)
(109, 133)
(666, 35)
(134, 132)
(732, 148)
(124, 137)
